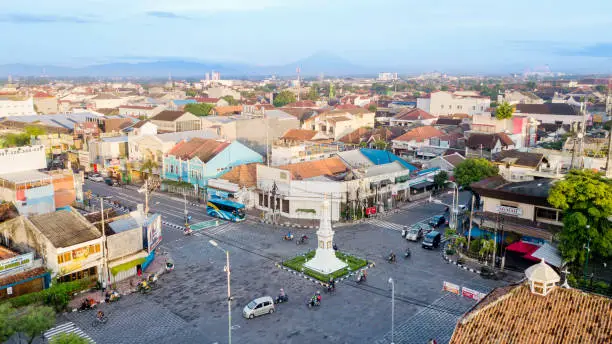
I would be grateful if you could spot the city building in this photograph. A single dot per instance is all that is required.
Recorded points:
(338, 123)
(408, 143)
(522, 130)
(140, 111)
(21, 273)
(221, 91)
(408, 116)
(386, 76)
(198, 160)
(536, 311)
(516, 166)
(486, 145)
(443, 103)
(45, 103)
(175, 121)
(514, 97)
(298, 145)
(550, 113)
(69, 245)
(108, 101)
(239, 184)
(15, 106)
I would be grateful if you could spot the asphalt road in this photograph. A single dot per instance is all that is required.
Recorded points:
(191, 305)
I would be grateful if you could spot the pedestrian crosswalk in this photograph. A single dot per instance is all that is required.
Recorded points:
(221, 229)
(68, 327)
(385, 224)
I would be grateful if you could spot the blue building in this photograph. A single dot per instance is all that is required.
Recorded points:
(198, 160)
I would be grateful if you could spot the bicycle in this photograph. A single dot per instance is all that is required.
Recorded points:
(99, 321)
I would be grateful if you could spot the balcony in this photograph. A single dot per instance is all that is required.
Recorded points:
(548, 172)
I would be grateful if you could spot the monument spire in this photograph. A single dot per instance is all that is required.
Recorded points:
(325, 260)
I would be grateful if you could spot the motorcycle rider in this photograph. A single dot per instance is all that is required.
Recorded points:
(392, 257)
(282, 296)
(332, 284)
(289, 236)
(100, 315)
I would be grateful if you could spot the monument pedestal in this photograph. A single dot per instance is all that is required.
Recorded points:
(325, 260)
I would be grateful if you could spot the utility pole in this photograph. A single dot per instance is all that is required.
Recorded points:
(274, 190)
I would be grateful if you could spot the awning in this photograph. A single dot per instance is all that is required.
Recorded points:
(421, 185)
(127, 262)
(549, 254)
(522, 247)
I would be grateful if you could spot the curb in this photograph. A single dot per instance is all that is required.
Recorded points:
(293, 225)
(316, 281)
(448, 260)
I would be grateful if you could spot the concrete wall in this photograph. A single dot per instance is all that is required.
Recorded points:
(20, 159)
(46, 105)
(124, 243)
(16, 107)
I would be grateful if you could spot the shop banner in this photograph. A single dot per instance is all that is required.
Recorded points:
(152, 235)
(472, 294)
(20, 262)
(451, 287)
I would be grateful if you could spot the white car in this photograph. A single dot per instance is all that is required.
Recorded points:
(417, 231)
(259, 306)
(96, 178)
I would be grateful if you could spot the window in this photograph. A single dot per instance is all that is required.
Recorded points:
(450, 107)
(321, 244)
(548, 214)
(442, 106)
(474, 107)
(459, 107)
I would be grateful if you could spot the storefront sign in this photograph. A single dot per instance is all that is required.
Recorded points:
(152, 233)
(472, 294)
(509, 210)
(370, 211)
(20, 262)
(451, 287)
(80, 253)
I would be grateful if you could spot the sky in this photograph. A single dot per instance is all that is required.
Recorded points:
(390, 35)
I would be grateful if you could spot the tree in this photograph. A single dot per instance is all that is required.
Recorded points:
(199, 109)
(7, 322)
(440, 179)
(380, 144)
(68, 338)
(444, 88)
(35, 321)
(230, 100)
(531, 85)
(607, 125)
(313, 93)
(284, 98)
(474, 169)
(372, 108)
(601, 88)
(504, 111)
(148, 166)
(586, 200)
(191, 93)
(32, 130)
(487, 248)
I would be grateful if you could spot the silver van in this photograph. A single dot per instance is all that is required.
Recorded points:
(259, 306)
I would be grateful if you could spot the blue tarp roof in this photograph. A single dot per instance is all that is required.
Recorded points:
(184, 101)
(380, 157)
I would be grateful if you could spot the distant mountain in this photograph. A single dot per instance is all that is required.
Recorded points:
(316, 64)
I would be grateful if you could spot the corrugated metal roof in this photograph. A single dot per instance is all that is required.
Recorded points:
(379, 157)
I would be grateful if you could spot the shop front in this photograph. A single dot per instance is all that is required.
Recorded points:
(80, 262)
(127, 267)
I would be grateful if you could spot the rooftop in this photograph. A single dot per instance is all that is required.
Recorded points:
(515, 157)
(381, 157)
(168, 115)
(515, 315)
(488, 141)
(25, 177)
(298, 135)
(65, 228)
(413, 115)
(420, 134)
(547, 109)
(204, 149)
(243, 175)
(310, 169)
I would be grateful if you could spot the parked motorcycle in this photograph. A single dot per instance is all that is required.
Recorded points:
(288, 237)
(87, 304)
(361, 277)
(112, 296)
(391, 258)
(143, 287)
(169, 266)
(407, 253)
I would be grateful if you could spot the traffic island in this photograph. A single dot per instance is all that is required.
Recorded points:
(296, 265)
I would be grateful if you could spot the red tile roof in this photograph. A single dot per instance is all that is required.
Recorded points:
(347, 107)
(206, 100)
(420, 134)
(243, 175)
(302, 104)
(42, 95)
(298, 135)
(204, 149)
(356, 136)
(310, 169)
(413, 115)
(227, 110)
(514, 314)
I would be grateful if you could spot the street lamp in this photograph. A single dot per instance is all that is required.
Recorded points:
(392, 306)
(229, 295)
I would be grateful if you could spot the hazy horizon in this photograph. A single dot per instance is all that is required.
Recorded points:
(404, 36)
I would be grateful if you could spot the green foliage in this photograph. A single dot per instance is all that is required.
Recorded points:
(313, 93)
(284, 98)
(68, 338)
(191, 93)
(148, 166)
(199, 109)
(57, 296)
(586, 199)
(444, 88)
(531, 85)
(380, 144)
(301, 210)
(486, 248)
(474, 169)
(504, 111)
(372, 108)
(601, 88)
(230, 100)
(297, 264)
(363, 144)
(21, 139)
(32, 130)
(8, 322)
(35, 321)
(607, 125)
(379, 88)
(440, 179)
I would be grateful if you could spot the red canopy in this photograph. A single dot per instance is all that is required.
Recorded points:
(522, 247)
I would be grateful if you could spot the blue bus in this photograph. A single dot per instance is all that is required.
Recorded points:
(226, 210)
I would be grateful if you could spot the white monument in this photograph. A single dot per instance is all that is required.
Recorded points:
(325, 260)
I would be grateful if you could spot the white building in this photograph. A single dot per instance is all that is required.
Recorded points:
(219, 92)
(140, 110)
(550, 113)
(443, 103)
(21, 159)
(386, 76)
(16, 107)
(339, 123)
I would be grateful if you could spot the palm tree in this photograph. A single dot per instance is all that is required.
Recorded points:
(148, 166)
(487, 248)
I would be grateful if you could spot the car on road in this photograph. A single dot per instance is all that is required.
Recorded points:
(432, 240)
(96, 178)
(437, 221)
(417, 231)
(259, 306)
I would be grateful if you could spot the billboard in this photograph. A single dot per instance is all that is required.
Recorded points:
(152, 232)
(21, 262)
(451, 287)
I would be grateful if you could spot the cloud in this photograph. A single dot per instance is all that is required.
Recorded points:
(595, 50)
(165, 15)
(24, 18)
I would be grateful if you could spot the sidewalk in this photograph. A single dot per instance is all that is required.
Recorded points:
(125, 287)
(474, 266)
